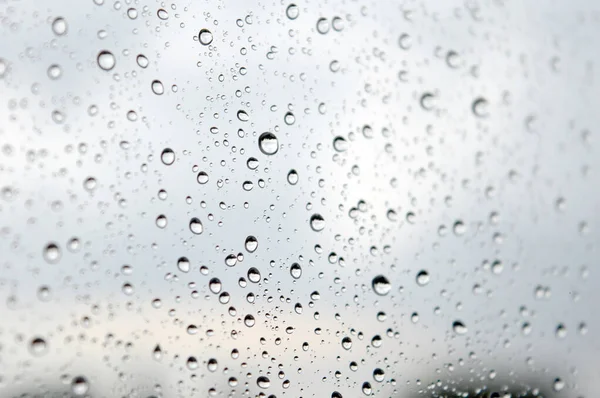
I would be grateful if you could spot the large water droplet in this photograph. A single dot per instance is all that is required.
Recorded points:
(52, 253)
(157, 87)
(322, 26)
(251, 244)
(480, 107)
(292, 177)
(205, 37)
(317, 222)
(183, 264)
(254, 275)
(459, 327)
(263, 382)
(381, 285)
(167, 156)
(59, 26)
(79, 386)
(38, 346)
(106, 60)
(296, 271)
(196, 226)
(422, 278)
(215, 285)
(340, 144)
(268, 143)
(292, 11)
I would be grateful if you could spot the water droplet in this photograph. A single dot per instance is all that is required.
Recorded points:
(340, 144)
(381, 285)
(54, 72)
(292, 177)
(142, 61)
(106, 60)
(378, 375)
(192, 363)
(480, 107)
(231, 260)
(459, 328)
(558, 384)
(317, 222)
(346, 343)
(183, 264)
(292, 11)
(268, 143)
(427, 101)
(167, 156)
(59, 26)
(251, 244)
(202, 177)
(242, 116)
(422, 278)
(215, 285)
(405, 41)
(162, 14)
(205, 37)
(52, 253)
(289, 118)
(252, 163)
(296, 271)
(337, 23)
(253, 275)
(157, 87)
(161, 221)
(366, 388)
(263, 382)
(79, 386)
(249, 321)
(89, 184)
(38, 346)
(561, 331)
(459, 228)
(322, 26)
(212, 365)
(196, 226)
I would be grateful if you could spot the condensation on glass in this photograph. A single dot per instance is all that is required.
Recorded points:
(299, 199)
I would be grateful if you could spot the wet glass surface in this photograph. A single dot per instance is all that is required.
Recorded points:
(309, 199)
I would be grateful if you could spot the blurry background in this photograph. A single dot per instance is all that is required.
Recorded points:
(420, 218)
